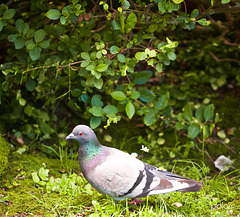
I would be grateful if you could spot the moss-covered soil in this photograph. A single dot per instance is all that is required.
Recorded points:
(20, 196)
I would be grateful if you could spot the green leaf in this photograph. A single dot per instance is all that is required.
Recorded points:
(19, 43)
(135, 94)
(85, 98)
(20, 25)
(221, 134)
(222, 80)
(104, 52)
(29, 44)
(44, 44)
(110, 109)
(194, 13)
(171, 55)
(5, 86)
(43, 115)
(208, 112)
(101, 67)
(141, 56)
(203, 22)
(162, 102)
(90, 67)
(159, 67)
(180, 116)
(126, 4)
(146, 95)
(35, 53)
(76, 92)
(151, 62)
(149, 119)
(118, 95)
(187, 112)
(53, 14)
(105, 7)
(39, 35)
(114, 49)
(153, 28)
(9, 14)
(193, 131)
(152, 53)
(1, 27)
(85, 56)
(177, 1)
(66, 11)
(131, 20)
(43, 173)
(225, 1)
(26, 30)
(205, 132)
(28, 110)
(199, 113)
(85, 63)
(96, 100)
(162, 5)
(30, 85)
(99, 54)
(115, 24)
(35, 177)
(22, 102)
(74, 2)
(121, 58)
(12, 37)
(130, 109)
(88, 189)
(143, 77)
(179, 126)
(122, 18)
(63, 20)
(98, 83)
(95, 122)
(97, 111)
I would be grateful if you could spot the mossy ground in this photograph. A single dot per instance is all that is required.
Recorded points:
(21, 197)
(4, 152)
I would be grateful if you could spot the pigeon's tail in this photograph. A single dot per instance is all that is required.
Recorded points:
(171, 182)
(193, 186)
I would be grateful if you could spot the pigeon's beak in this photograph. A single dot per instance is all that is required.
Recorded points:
(70, 136)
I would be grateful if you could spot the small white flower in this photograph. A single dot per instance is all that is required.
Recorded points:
(134, 154)
(94, 202)
(162, 168)
(145, 149)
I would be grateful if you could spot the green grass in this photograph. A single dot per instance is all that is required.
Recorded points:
(220, 195)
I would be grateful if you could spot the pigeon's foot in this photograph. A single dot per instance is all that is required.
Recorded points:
(136, 201)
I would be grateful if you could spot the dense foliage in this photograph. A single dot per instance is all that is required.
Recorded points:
(102, 62)
(161, 74)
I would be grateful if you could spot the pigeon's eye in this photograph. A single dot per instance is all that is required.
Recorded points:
(80, 134)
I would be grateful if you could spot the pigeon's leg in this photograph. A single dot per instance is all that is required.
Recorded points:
(136, 201)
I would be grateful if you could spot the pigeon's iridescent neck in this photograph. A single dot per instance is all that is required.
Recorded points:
(89, 151)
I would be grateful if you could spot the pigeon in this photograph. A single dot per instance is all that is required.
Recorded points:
(121, 176)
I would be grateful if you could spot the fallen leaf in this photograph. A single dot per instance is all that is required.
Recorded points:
(178, 205)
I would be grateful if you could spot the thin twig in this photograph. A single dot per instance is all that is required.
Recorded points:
(205, 153)
(223, 60)
(214, 141)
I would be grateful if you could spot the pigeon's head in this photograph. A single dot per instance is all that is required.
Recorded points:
(83, 134)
